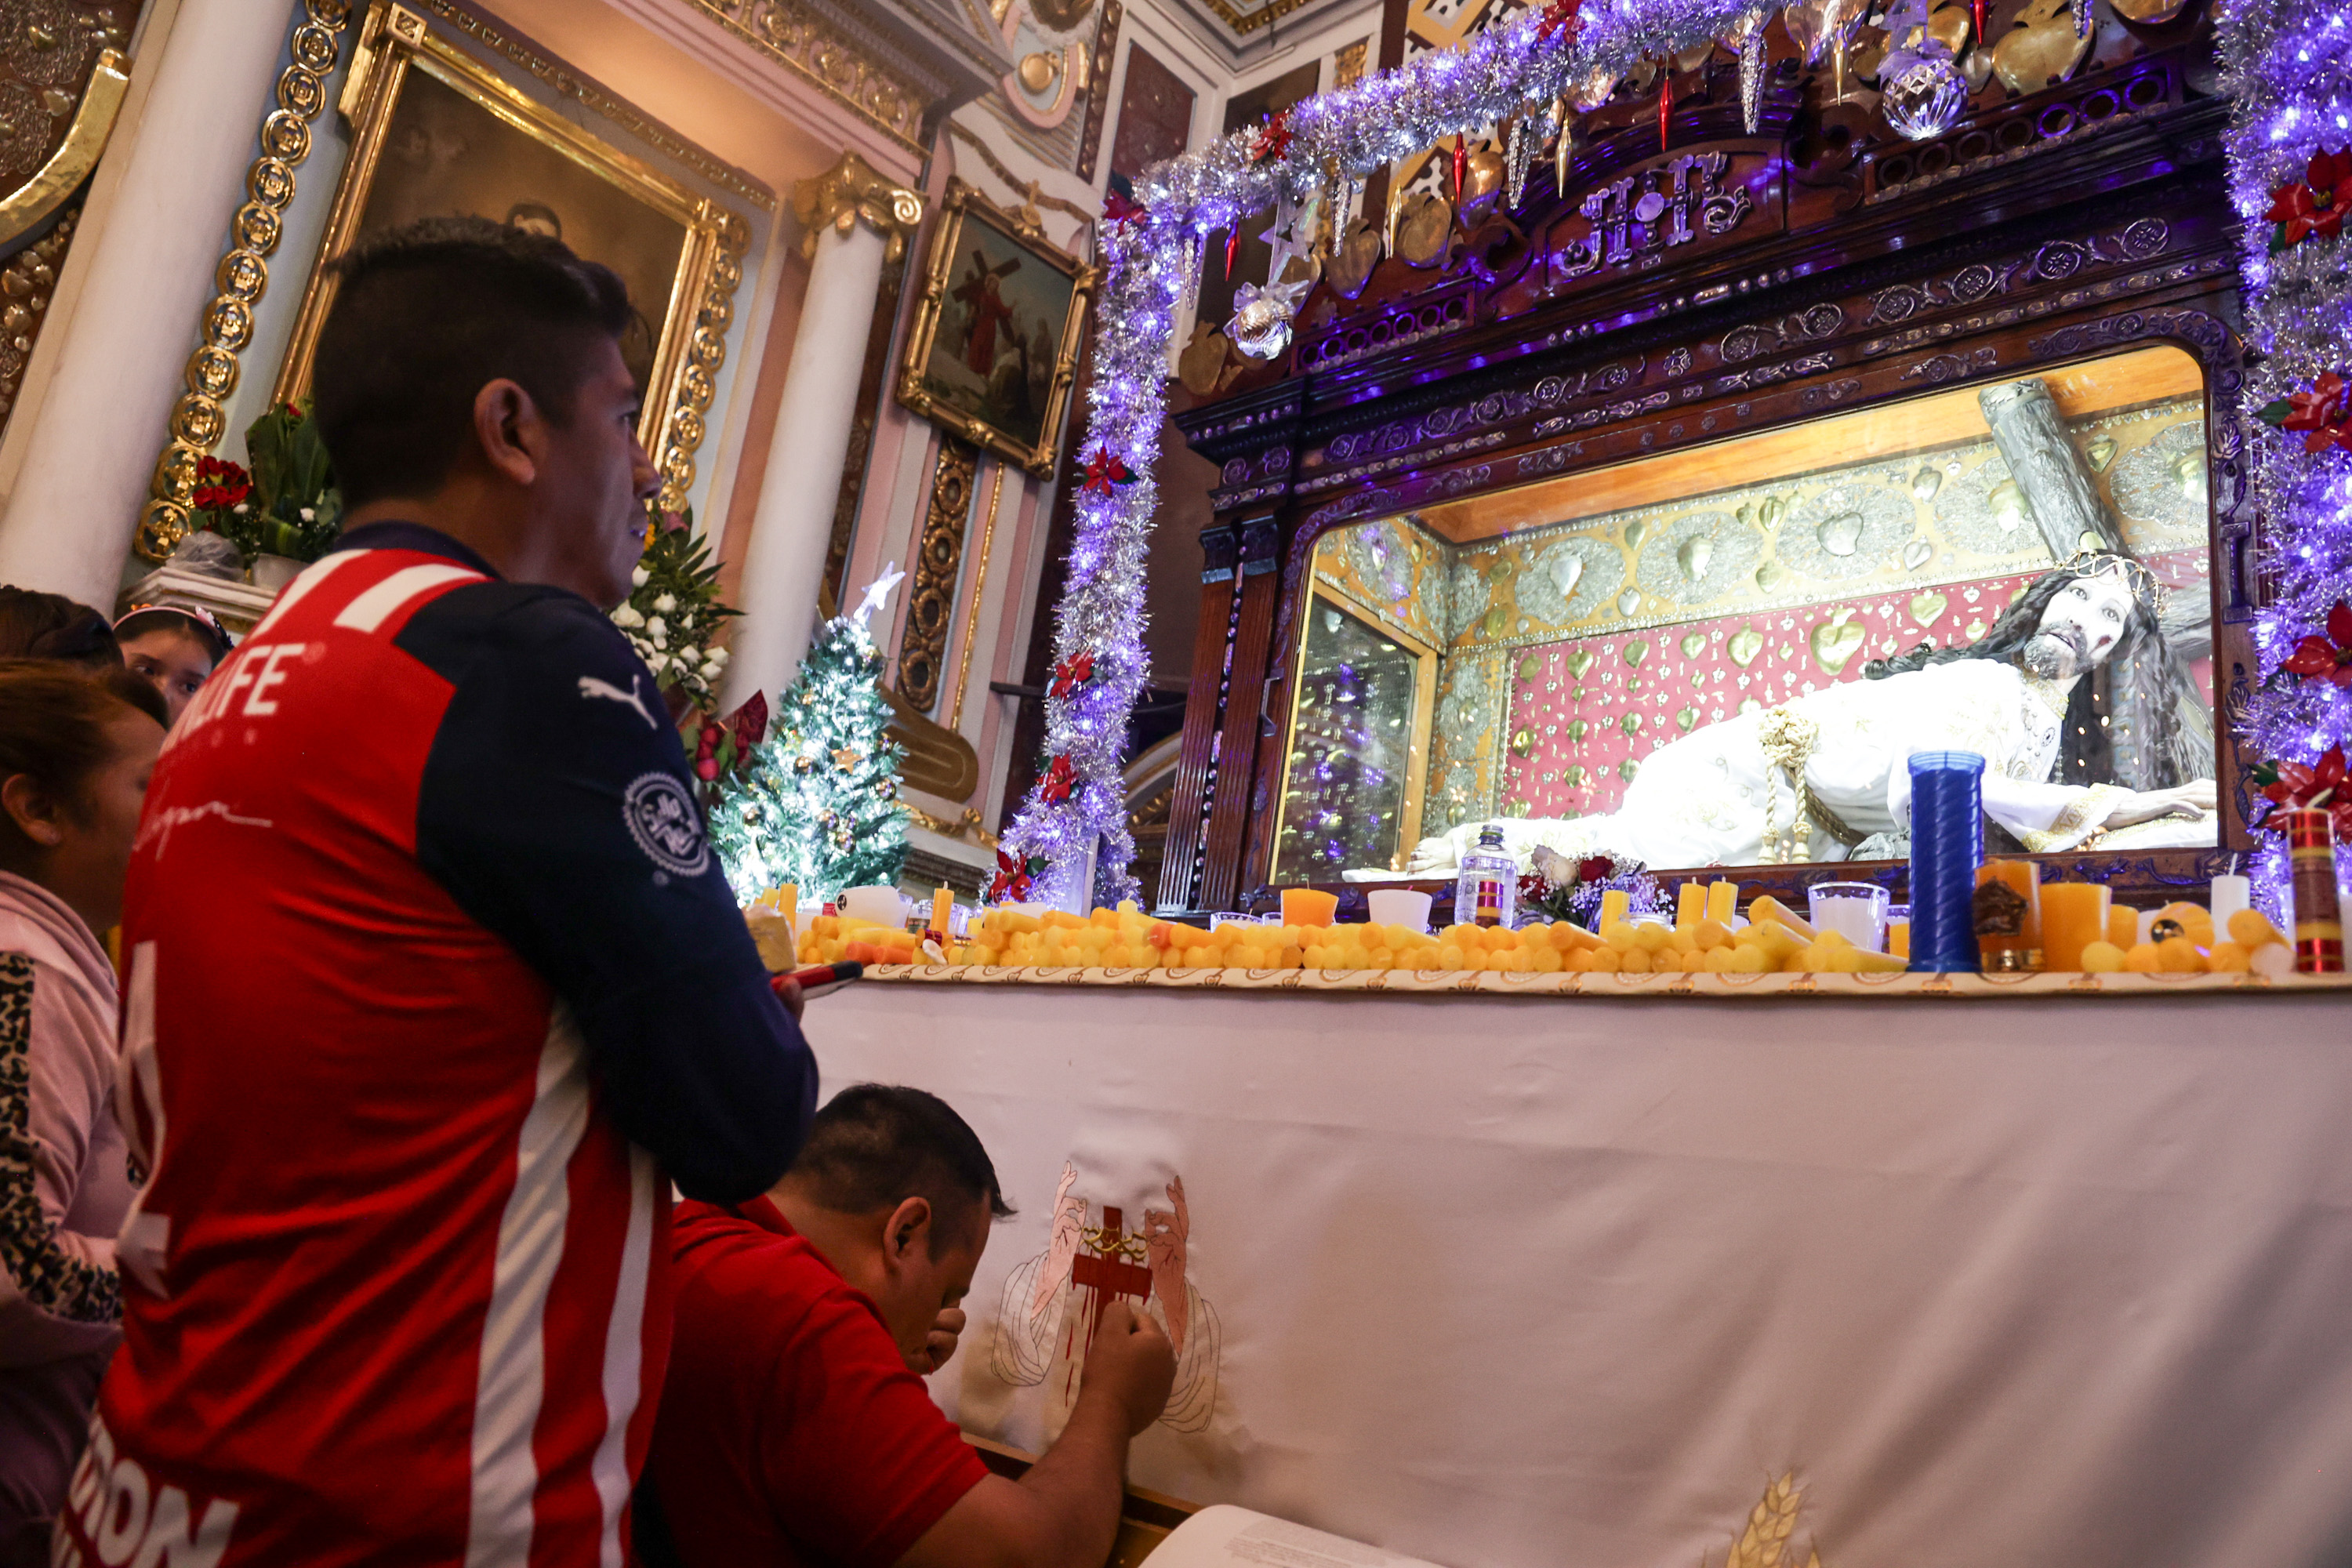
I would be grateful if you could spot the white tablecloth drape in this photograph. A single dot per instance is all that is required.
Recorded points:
(1553, 1283)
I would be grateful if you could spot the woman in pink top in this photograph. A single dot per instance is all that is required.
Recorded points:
(75, 753)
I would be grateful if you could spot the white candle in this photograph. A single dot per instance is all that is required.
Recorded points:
(2231, 894)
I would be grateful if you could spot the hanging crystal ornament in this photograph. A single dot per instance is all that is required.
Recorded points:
(1748, 35)
(1517, 146)
(1923, 93)
(1261, 323)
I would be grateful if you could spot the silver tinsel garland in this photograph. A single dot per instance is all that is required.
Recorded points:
(2289, 69)
(1508, 72)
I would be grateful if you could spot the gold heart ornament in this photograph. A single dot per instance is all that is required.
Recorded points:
(1771, 575)
(1692, 643)
(1572, 777)
(1627, 769)
(1579, 662)
(1636, 651)
(1928, 608)
(1522, 743)
(1530, 667)
(1634, 532)
(1576, 729)
(1628, 602)
(1631, 723)
(1917, 553)
(1745, 645)
(1834, 644)
(1693, 556)
(1685, 718)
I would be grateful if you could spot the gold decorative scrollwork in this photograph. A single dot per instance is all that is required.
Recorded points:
(853, 191)
(786, 31)
(198, 421)
(938, 560)
(706, 353)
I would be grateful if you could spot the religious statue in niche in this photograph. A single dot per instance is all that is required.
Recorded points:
(2068, 696)
(1053, 1302)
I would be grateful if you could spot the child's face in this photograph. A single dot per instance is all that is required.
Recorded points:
(176, 662)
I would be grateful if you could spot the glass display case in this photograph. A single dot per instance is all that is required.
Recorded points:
(1769, 624)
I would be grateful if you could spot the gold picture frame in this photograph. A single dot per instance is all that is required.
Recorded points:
(408, 80)
(984, 313)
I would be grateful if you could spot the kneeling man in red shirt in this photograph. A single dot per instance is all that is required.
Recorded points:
(795, 1427)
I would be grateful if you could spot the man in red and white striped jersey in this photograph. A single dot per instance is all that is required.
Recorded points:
(434, 983)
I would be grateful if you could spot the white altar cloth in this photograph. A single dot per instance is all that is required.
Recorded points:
(1567, 1282)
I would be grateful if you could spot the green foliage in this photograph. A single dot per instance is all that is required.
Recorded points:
(816, 804)
(674, 610)
(292, 507)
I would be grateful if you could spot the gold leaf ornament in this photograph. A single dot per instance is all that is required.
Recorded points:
(1636, 651)
(1692, 643)
(1744, 645)
(1833, 643)
(1685, 718)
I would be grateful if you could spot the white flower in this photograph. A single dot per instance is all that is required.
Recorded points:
(658, 627)
(626, 615)
(661, 642)
(719, 656)
(308, 515)
(712, 670)
(240, 509)
(666, 604)
(640, 577)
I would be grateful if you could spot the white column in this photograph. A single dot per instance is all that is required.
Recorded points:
(856, 221)
(178, 175)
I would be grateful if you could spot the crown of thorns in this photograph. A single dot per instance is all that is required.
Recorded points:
(2143, 583)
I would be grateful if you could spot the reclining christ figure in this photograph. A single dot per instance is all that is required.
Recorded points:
(2066, 699)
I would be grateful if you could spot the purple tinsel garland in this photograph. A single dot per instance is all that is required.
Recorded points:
(2289, 65)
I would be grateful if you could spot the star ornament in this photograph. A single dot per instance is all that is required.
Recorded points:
(2325, 655)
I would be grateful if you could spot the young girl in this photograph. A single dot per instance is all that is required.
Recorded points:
(75, 753)
(173, 649)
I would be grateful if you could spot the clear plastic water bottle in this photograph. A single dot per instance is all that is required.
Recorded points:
(1488, 892)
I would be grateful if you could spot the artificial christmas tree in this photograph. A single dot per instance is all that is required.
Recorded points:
(816, 804)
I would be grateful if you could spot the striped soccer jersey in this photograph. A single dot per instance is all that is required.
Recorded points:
(432, 987)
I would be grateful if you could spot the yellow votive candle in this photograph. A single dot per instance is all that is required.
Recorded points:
(1722, 903)
(1615, 904)
(788, 903)
(942, 905)
(1898, 938)
(2074, 916)
(2122, 926)
(1690, 905)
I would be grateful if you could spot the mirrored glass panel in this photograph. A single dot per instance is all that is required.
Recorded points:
(1722, 657)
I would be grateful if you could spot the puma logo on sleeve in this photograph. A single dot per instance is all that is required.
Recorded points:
(592, 688)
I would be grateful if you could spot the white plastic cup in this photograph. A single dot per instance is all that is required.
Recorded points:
(881, 903)
(1855, 910)
(1400, 907)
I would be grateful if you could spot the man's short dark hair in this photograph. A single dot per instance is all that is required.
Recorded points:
(427, 314)
(875, 1145)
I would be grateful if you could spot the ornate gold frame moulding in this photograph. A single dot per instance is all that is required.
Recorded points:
(1033, 196)
(242, 277)
(31, 203)
(785, 32)
(692, 346)
(939, 270)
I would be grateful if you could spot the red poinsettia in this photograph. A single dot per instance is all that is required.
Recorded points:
(1119, 209)
(1060, 779)
(2323, 414)
(1104, 469)
(221, 485)
(1012, 876)
(2299, 787)
(2314, 204)
(1271, 139)
(2327, 657)
(1072, 673)
(1559, 16)
(1596, 869)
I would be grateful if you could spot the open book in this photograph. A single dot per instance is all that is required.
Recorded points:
(1224, 1535)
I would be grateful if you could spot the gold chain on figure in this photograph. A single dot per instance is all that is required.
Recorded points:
(1788, 739)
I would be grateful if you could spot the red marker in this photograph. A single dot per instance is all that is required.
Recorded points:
(817, 980)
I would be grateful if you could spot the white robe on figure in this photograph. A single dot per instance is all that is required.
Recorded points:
(1702, 800)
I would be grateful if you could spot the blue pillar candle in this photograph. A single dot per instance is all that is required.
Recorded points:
(1947, 844)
